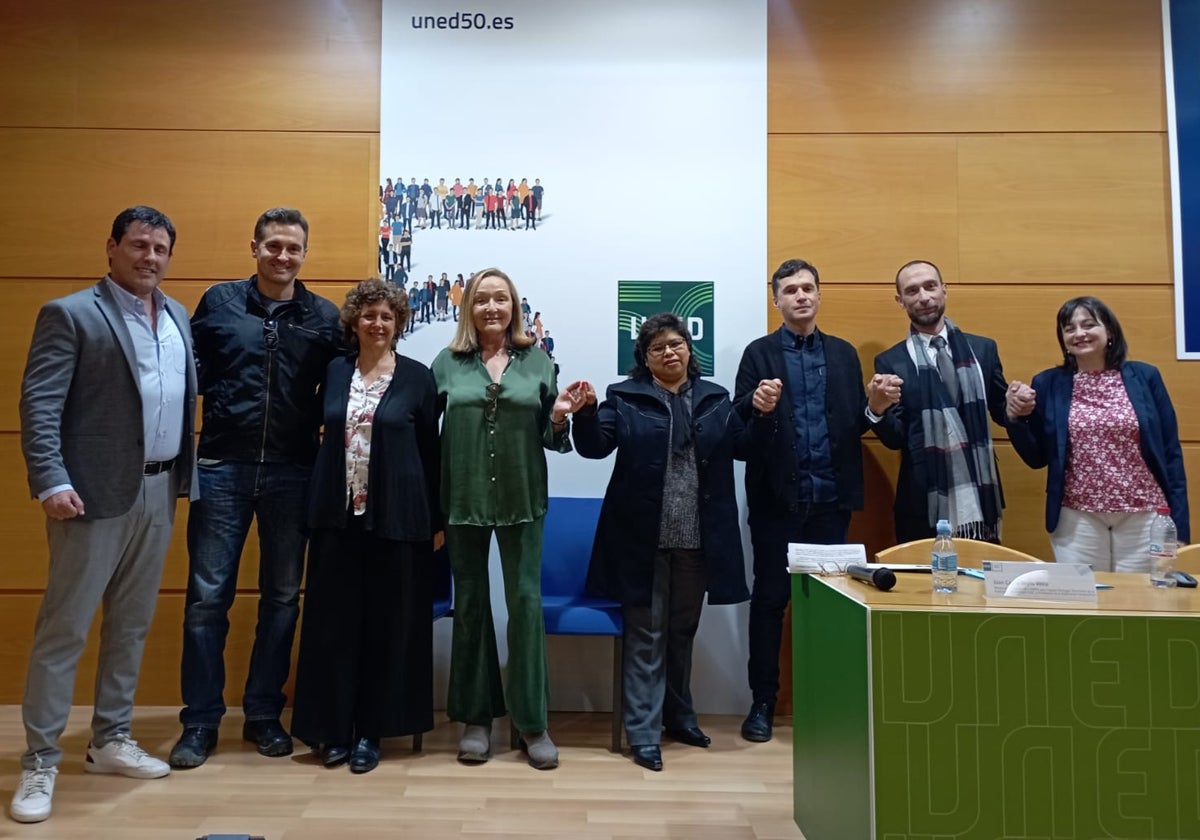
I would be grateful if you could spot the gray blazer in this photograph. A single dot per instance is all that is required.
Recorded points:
(81, 410)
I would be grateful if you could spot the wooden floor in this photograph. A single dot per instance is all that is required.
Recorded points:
(733, 791)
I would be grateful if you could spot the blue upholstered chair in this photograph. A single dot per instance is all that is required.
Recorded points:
(443, 584)
(567, 608)
(443, 603)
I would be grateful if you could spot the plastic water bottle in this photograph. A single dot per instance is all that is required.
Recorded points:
(945, 559)
(1164, 542)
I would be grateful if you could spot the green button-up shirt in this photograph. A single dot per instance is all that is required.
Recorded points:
(493, 463)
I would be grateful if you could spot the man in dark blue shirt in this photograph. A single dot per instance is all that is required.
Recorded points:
(803, 486)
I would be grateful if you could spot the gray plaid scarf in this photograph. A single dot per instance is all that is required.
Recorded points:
(958, 442)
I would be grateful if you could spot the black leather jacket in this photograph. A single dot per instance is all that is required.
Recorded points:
(260, 373)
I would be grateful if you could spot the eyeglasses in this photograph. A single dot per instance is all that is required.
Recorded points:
(677, 346)
(493, 398)
(271, 333)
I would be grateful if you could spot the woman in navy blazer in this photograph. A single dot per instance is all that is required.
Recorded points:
(1106, 429)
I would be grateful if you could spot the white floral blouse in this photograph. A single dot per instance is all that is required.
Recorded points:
(360, 417)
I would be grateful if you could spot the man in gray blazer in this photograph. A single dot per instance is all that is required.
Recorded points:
(107, 407)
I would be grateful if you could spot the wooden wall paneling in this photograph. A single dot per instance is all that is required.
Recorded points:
(860, 207)
(873, 525)
(1026, 208)
(867, 66)
(212, 184)
(159, 681)
(22, 524)
(272, 65)
(375, 208)
(1090, 209)
(21, 300)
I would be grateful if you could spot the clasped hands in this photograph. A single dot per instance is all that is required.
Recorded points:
(884, 389)
(766, 395)
(1020, 401)
(577, 395)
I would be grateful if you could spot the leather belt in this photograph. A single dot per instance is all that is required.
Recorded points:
(156, 467)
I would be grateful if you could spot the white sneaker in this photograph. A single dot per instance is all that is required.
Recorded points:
(124, 757)
(34, 795)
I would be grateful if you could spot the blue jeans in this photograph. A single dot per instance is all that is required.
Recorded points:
(772, 592)
(231, 494)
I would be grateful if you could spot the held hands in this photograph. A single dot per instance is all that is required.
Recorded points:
(575, 396)
(64, 504)
(766, 395)
(1021, 400)
(883, 391)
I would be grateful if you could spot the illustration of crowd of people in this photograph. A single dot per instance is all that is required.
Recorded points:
(459, 448)
(411, 207)
(516, 205)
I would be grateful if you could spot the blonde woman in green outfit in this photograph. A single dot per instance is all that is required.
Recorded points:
(502, 410)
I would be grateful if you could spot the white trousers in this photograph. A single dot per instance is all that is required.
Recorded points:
(1110, 542)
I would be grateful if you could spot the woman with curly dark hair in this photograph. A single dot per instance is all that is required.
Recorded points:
(365, 668)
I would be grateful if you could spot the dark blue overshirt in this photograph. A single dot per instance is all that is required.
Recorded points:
(806, 383)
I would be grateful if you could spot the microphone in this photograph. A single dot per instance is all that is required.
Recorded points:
(881, 579)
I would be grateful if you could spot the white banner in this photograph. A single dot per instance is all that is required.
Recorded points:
(644, 124)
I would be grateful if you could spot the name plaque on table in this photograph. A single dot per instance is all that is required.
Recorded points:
(1073, 582)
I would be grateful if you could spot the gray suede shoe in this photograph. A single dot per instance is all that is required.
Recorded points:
(476, 744)
(543, 755)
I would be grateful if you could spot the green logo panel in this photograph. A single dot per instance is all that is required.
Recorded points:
(1036, 726)
(637, 300)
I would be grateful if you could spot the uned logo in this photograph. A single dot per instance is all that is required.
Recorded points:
(637, 300)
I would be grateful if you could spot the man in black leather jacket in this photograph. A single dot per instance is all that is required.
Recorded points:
(262, 346)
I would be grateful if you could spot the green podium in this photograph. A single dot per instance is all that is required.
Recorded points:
(926, 717)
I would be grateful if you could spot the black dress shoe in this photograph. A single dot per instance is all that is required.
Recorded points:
(193, 747)
(365, 756)
(648, 756)
(270, 738)
(693, 736)
(757, 725)
(333, 755)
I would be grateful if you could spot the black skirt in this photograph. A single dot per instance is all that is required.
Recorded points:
(365, 667)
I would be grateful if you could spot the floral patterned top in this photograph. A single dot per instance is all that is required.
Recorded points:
(1106, 472)
(360, 416)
